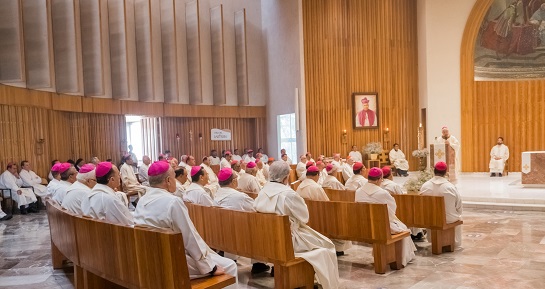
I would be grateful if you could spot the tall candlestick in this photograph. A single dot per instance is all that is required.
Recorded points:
(420, 138)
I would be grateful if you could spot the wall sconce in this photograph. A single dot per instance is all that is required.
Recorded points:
(178, 137)
(387, 137)
(344, 137)
(200, 136)
(40, 140)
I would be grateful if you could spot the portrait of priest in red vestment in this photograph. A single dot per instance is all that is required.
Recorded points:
(365, 110)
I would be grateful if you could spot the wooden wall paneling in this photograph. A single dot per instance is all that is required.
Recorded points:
(20, 96)
(142, 108)
(148, 50)
(184, 110)
(360, 46)
(241, 58)
(511, 109)
(192, 21)
(115, 144)
(122, 50)
(67, 46)
(11, 49)
(38, 43)
(66, 102)
(168, 40)
(218, 57)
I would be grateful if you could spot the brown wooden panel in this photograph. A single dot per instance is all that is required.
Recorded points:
(142, 108)
(360, 46)
(186, 110)
(66, 102)
(490, 109)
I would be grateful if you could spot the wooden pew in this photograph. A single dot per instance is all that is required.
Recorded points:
(264, 237)
(428, 212)
(359, 222)
(339, 176)
(340, 195)
(106, 256)
(295, 185)
(293, 175)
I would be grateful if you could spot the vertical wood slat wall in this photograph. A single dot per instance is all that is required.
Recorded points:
(360, 46)
(514, 110)
(65, 135)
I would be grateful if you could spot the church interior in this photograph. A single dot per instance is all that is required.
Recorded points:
(441, 99)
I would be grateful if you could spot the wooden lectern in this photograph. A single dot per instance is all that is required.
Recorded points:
(444, 153)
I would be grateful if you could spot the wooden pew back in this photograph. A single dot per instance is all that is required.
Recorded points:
(421, 211)
(265, 237)
(63, 235)
(340, 195)
(361, 222)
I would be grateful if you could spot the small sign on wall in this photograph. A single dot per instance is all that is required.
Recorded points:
(220, 134)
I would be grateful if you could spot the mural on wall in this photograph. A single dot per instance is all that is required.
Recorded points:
(511, 41)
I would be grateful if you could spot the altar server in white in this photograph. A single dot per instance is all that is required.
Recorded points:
(331, 180)
(86, 180)
(398, 160)
(197, 192)
(159, 208)
(103, 203)
(440, 186)
(23, 196)
(278, 198)
(372, 193)
(31, 179)
(498, 156)
(355, 154)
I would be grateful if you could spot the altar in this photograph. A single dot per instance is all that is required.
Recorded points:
(533, 168)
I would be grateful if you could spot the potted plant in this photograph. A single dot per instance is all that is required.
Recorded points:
(373, 149)
(414, 184)
(422, 154)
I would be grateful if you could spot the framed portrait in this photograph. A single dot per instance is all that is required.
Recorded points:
(365, 110)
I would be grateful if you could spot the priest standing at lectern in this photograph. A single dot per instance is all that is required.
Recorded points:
(454, 143)
(498, 156)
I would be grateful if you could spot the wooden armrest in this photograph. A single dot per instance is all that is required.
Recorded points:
(452, 225)
(215, 282)
(398, 237)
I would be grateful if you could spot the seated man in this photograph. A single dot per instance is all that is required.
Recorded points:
(103, 203)
(337, 162)
(440, 186)
(286, 159)
(50, 176)
(130, 184)
(373, 194)
(309, 187)
(181, 178)
(498, 156)
(23, 196)
(235, 165)
(301, 166)
(213, 184)
(213, 158)
(347, 169)
(86, 180)
(277, 197)
(226, 160)
(397, 159)
(260, 174)
(357, 180)
(31, 179)
(247, 181)
(355, 154)
(143, 170)
(197, 192)
(159, 208)
(388, 182)
(52, 186)
(331, 180)
(68, 175)
(323, 173)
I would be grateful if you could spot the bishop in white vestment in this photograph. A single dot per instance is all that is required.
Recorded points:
(388, 184)
(247, 181)
(454, 143)
(357, 180)
(277, 197)
(159, 208)
(440, 186)
(86, 180)
(331, 180)
(196, 192)
(68, 176)
(372, 193)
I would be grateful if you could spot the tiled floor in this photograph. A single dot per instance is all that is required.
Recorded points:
(501, 249)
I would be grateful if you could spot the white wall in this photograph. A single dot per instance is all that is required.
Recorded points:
(282, 34)
(441, 25)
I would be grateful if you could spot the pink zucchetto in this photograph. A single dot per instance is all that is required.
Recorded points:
(86, 168)
(195, 170)
(234, 162)
(228, 153)
(375, 172)
(357, 166)
(158, 168)
(309, 164)
(318, 163)
(386, 171)
(56, 167)
(329, 168)
(224, 174)
(365, 100)
(103, 168)
(313, 169)
(64, 167)
(251, 165)
(441, 166)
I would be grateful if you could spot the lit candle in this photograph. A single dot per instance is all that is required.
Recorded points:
(420, 125)
(387, 129)
(344, 131)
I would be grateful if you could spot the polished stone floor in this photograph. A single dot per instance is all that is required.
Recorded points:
(501, 249)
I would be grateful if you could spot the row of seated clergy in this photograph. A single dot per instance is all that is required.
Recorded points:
(159, 208)
(25, 197)
(310, 189)
(357, 180)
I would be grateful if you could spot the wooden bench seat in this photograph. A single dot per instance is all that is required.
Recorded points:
(428, 212)
(112, 256)
(264, 237)
(361, 222)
